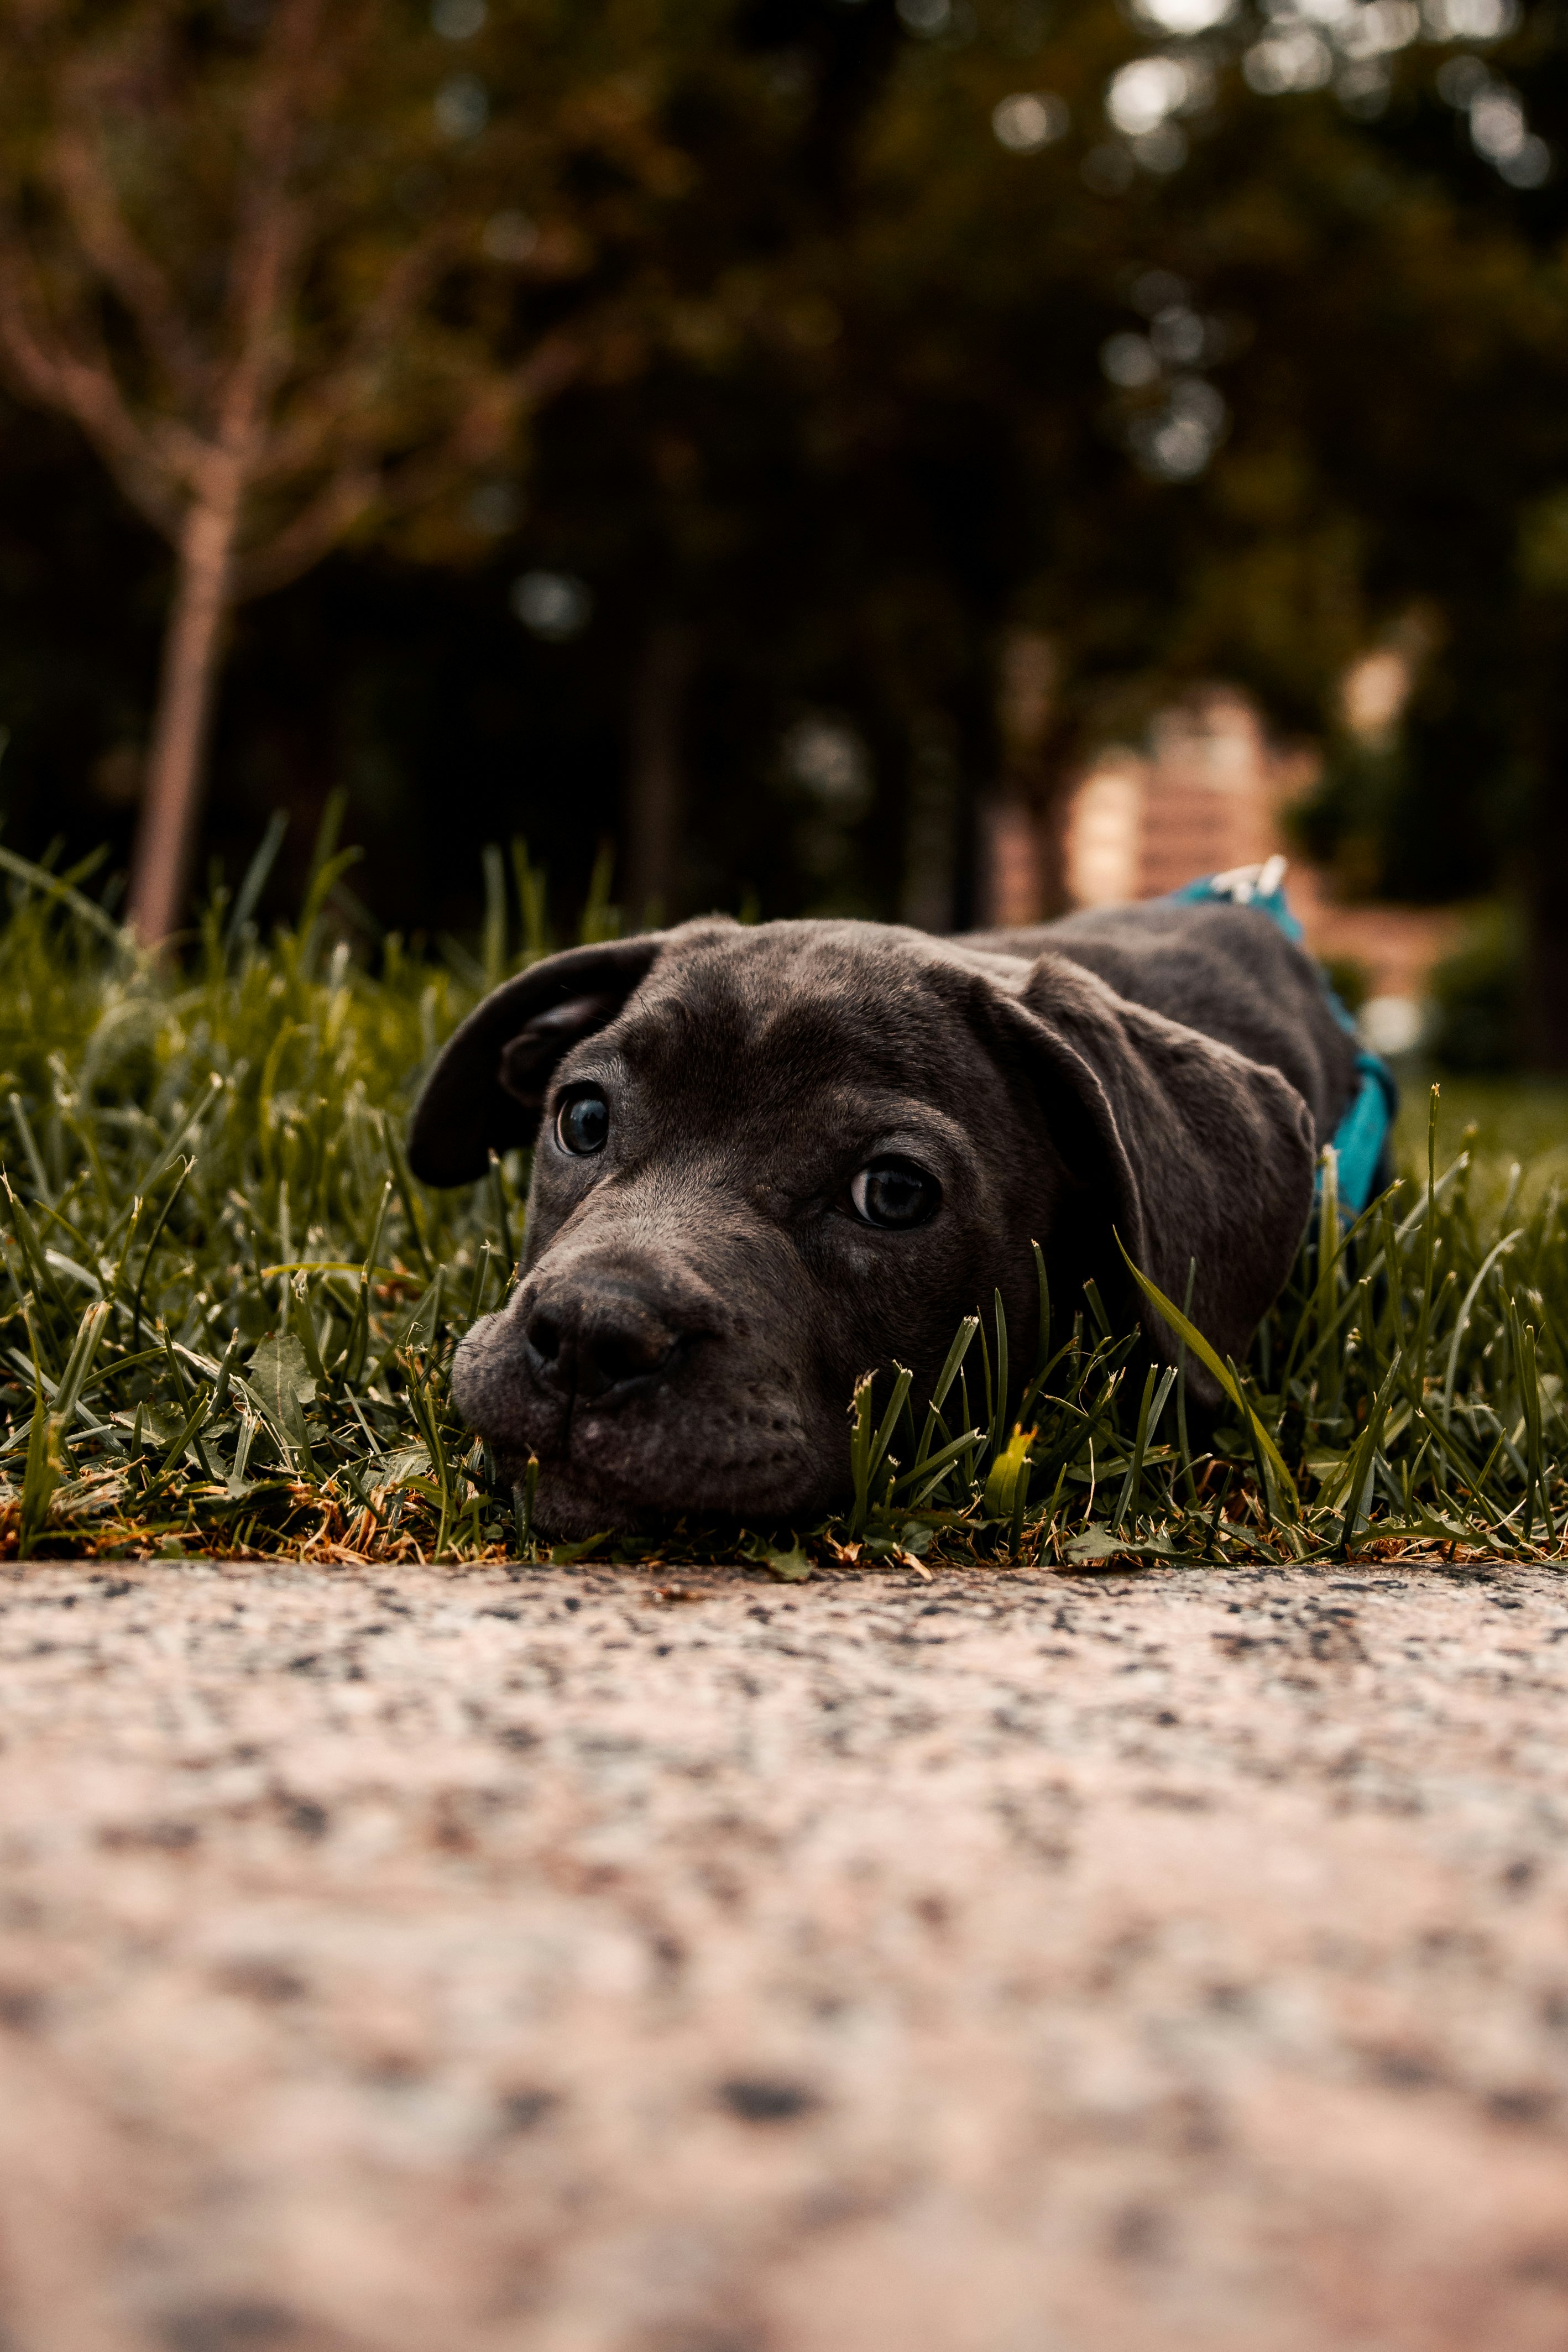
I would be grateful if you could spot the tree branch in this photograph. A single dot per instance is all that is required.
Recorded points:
(74, 162)
(300, 441)
(272, 229)
(487, 423)
(84, 387)
(360, 486)
(314, 531)
(553, 363)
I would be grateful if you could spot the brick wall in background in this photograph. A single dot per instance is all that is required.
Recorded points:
(1210, 792)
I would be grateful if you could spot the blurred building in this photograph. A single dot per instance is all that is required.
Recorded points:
(1210, 792)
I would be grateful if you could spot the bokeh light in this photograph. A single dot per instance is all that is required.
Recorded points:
(458, 20)
(1184, 19)
(554, 606)
(510, 237)
(462, 106)
(1140, 96)
(1029, 120)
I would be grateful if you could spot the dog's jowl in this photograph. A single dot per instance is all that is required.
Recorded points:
(769, 1158)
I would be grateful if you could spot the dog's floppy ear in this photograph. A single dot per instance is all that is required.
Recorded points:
(1189, 1151)
(487, 1086)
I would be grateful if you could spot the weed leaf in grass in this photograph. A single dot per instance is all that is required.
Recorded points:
(407, 1466)
(791, 1567)
(1009, 1470)
(1098, 1544)
(283, 1382)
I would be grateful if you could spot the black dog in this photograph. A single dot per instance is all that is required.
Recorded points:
(771, 1157)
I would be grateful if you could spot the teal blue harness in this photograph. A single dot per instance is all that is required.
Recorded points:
(1361, 1138)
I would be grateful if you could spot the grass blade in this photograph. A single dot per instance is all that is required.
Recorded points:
(1206, 1355)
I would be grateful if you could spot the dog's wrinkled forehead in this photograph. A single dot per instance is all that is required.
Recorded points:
(748, 1021)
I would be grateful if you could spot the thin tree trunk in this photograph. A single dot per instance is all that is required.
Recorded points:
(1059, 769)
(930, 824)
(170, 801)
(654, 783)
(1018, 883)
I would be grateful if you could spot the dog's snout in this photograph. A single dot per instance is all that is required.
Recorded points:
(594, 1342)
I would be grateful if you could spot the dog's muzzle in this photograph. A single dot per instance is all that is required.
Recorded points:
(599, 1343)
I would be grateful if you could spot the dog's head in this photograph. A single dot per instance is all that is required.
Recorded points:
(770, 1157)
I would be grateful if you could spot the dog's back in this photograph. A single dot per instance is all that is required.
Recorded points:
(1228, 971)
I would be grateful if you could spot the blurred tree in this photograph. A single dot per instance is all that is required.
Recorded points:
(260, 254)
(1332, 340)
(1183, 359)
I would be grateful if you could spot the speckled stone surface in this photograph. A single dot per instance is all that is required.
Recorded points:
(438, 1962)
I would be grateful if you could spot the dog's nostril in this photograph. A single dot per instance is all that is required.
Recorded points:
(544, 1337)
(593, 1342)
(611, 1356)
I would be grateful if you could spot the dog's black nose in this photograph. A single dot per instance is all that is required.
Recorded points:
(594, 1342)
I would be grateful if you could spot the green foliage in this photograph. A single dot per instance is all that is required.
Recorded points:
(1543, 546)
(1348, 979)
(230, 1311)
(203, 1171)
(1478, 994)
(1501, 1122)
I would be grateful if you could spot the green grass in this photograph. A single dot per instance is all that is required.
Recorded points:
(229, 1311)
(1500, 1120)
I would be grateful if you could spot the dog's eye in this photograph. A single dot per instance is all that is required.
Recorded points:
(582, 1124)
(895, 1192)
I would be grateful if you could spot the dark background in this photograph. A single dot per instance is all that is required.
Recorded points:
(843, 519)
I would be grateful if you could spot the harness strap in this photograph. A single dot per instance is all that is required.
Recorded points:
(1361, 1138)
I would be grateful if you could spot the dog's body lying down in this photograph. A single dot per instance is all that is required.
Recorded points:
(772, 1157)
